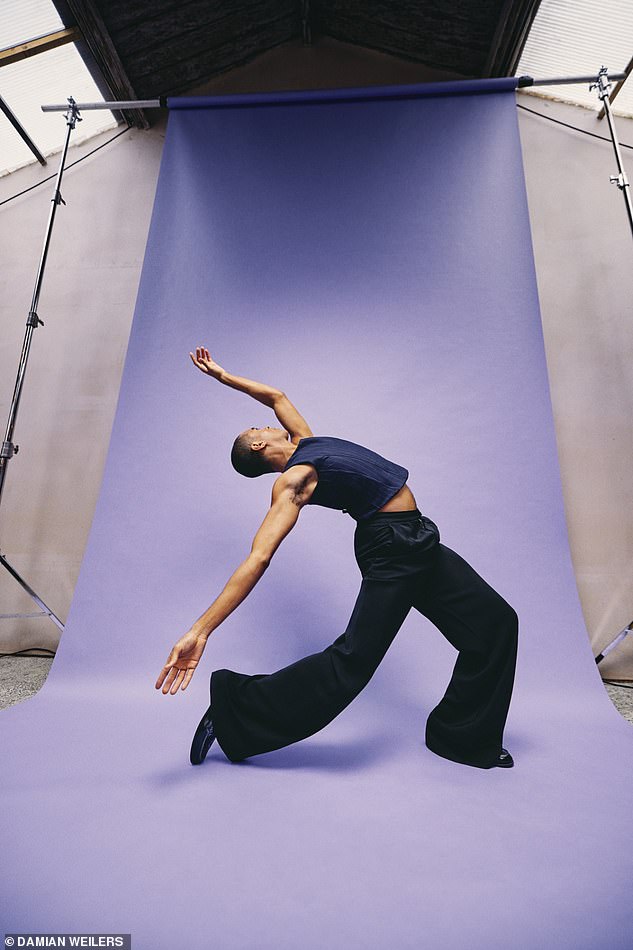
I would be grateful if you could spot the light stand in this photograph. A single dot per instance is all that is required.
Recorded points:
(8, 449)
(603, 86)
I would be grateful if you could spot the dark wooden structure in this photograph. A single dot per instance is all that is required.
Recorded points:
(146, 48)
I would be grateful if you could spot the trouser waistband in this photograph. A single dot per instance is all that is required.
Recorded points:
(392, 516)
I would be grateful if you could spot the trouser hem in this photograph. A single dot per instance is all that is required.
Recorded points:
(483, 761)
(220, 703)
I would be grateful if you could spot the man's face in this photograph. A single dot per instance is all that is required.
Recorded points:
(267, 434)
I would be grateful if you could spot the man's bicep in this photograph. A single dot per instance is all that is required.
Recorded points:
(291, 419)
(278, 523)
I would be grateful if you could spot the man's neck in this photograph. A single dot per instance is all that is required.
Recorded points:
(282, 455)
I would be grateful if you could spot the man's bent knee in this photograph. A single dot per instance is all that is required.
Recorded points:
(510, 623)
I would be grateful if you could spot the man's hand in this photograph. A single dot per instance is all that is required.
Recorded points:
(206, 363)
(181, 663)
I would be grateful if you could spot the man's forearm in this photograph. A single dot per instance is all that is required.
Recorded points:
(260, 391)
(238, 586)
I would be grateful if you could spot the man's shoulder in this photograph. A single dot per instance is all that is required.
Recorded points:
(299, 482)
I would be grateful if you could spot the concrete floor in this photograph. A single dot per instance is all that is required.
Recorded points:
(21, 676)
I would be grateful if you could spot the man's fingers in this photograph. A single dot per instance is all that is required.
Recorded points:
(177, 681)
(199, 359)
(161, 676)
(170, 678)
(174, 677)
(187, 678)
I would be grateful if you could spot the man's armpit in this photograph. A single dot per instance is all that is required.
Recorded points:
(301, 486)
(297, 490)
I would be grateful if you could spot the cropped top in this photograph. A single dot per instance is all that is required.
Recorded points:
(352, 478)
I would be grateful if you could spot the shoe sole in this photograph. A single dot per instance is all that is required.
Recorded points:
(506, 762)
(202, 740)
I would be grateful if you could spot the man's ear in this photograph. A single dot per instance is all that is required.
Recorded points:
(258, 446)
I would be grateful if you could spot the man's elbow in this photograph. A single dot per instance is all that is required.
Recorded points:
(258, 561)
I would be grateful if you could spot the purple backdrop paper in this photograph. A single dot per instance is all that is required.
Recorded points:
(373, 259)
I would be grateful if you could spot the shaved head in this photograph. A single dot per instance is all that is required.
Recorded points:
(244, 460)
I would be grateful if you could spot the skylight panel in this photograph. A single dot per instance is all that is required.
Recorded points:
(45, 78)
(22, 20)
(576, 38)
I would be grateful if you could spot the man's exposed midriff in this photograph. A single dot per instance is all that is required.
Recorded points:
(403, 500)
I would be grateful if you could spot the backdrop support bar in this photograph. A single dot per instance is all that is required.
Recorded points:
(523, 81)
(366, 92)
(160, 103)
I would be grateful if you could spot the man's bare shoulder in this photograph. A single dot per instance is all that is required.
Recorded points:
(300, 481)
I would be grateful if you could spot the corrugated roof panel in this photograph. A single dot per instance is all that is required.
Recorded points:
(47, 77)
(22, 20)
(577, 37)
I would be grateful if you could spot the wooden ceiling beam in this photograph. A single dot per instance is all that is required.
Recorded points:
(98, 40)
(19, 128)
(41, 44)
(512, 31)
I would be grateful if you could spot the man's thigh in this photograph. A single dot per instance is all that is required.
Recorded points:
(378, 614)
(465, 608)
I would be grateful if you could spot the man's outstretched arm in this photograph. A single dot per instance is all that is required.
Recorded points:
(287, 501)
(289, 417)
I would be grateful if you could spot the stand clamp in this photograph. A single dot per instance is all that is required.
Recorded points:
(33, 320)
(602, 83)
(620, 180)
(8, 450)
(72, 115)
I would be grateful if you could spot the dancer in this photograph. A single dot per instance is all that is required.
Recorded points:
(403, 564)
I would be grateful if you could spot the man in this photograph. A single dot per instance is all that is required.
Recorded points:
(403, 565)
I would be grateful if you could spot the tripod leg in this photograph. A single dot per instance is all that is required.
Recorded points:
(622, 634)
(31, 592)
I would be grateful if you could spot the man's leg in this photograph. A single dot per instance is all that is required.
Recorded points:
(260, 713)
(467, 724)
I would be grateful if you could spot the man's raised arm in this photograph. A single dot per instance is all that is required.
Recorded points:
(287, 501)
(288, 416)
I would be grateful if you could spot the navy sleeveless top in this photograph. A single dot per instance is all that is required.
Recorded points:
(351, 478)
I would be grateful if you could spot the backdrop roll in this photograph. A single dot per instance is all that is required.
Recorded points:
(372, 258)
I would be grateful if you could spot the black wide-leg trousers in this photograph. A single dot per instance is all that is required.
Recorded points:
(403, 565)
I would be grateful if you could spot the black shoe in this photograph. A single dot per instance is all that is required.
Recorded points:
(504, 761)
(202, 740)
